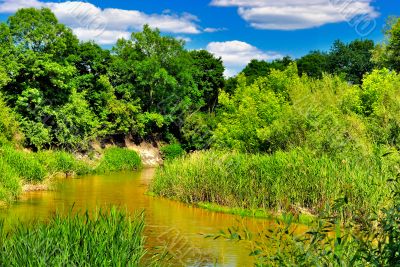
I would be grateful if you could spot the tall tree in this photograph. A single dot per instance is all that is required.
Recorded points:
(260, 68)
(209, 76)
(158, 71)
(353, 60)
(314, 64)
(388, 54)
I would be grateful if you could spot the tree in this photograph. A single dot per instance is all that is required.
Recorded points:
(260, 68)
(353, 60)
(388, 55)
(41, 76)
(209, 77)
(39, 31)
(157, 71)
(314, 64)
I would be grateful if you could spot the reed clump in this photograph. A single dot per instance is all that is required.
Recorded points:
(282, 181)
(105, 238)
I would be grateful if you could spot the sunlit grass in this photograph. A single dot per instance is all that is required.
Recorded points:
(284, 181)
(105, 238)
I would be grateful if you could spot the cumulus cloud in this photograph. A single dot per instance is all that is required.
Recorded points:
(237, 54)
(299, 14)
(105, 26)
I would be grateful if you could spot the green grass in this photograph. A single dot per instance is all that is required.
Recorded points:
(63, 162)
(103, 239)
(119, 159)
(10, 185)
(283, 182)
(17, 166)
(26, 165)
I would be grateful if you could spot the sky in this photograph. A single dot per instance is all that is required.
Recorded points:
(235, 30)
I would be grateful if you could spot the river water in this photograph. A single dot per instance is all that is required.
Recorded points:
(177, 227)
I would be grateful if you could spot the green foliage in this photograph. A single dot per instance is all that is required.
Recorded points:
(284, 111)
(246, 115)
(36, 134)
(209, 76)
(10, 185)
(388, 54)
(62, 162)
(9, 127)
(26, 165)
(261, 68)
(76, 124)
(39, 31)
(172, 151)
(330, 241)
(119, 159)
(158, 71)
(314, 64)
(353, 59)
(282, 181)
(90, 240)
(197, 130)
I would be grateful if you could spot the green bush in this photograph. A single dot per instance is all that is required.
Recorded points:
(119, 159)
(172, 151)
(101, 239)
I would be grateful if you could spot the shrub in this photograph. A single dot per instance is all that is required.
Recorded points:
(172, 151)
(119, 159)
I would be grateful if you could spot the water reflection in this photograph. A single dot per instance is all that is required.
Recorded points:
(177, 226)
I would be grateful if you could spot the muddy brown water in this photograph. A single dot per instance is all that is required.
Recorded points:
(178, 227)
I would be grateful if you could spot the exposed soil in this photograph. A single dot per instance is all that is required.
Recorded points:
(149, 153)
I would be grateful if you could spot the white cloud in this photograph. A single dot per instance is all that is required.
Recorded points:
(237, 54)
(183, 38)
(10, 6)
(211, 30)
(105, 26)
(298, 14)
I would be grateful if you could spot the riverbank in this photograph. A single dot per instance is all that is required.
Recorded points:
(24, 171)
(169, 224)
(296, 182)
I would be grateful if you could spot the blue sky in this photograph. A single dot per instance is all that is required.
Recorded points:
(236, 30)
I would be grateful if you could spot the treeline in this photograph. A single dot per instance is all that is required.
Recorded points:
(66, 93)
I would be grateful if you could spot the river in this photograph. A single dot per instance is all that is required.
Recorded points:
(178, 227)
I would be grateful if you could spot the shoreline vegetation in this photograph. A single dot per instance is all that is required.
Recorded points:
(34, 171)
(103, 237)
(285, 182)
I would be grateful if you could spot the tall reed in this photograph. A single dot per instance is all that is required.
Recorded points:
(109, 238)
(281, 181)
